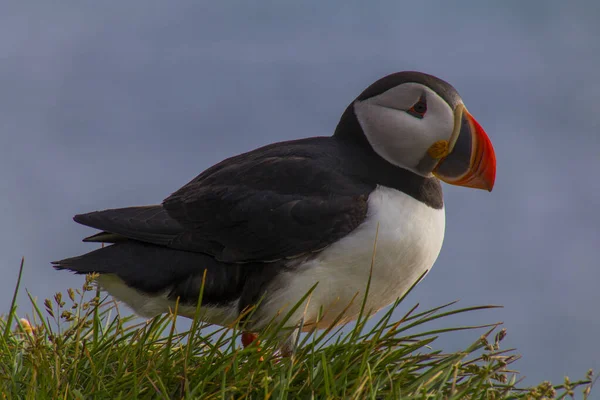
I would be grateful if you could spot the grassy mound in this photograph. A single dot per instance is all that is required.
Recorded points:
(79, 346)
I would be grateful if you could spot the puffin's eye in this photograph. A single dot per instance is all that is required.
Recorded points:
(419, 109)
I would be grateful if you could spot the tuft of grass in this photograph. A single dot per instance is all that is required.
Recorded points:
(78, 345)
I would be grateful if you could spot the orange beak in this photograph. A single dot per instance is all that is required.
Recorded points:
(471, 161)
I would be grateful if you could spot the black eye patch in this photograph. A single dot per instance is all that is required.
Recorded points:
(418, 109)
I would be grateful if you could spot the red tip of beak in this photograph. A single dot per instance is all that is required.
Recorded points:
(482, 173)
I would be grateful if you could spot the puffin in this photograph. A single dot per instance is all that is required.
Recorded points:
(327, 222)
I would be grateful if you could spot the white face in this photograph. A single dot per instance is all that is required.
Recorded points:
(398, 130)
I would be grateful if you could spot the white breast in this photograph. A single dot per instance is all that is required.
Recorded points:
(409, 238)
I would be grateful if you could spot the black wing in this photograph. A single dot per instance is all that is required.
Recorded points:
(280, 201)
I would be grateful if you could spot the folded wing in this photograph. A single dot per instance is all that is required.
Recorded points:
(270, 204)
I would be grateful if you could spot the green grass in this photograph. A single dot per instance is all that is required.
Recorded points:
(78, 346)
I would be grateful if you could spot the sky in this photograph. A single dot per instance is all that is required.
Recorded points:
(115, 104)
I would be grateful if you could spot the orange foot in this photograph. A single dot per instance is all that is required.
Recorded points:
(248, 338)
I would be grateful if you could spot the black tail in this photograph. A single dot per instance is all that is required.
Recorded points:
(155, 269)
(150, 224)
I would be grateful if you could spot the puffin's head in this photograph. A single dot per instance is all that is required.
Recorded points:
(419, 122)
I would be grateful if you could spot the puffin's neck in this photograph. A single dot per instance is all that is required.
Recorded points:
(366, 165)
